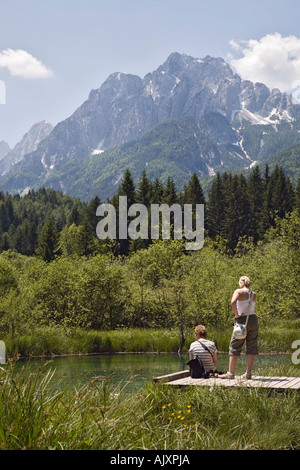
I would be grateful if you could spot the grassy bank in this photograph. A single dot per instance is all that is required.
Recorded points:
(277, 337)
(101, 417)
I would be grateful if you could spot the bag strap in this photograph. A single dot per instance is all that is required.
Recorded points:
(249, 308)
(205, 347)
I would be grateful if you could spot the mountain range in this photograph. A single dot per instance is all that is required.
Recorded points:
(190, 115)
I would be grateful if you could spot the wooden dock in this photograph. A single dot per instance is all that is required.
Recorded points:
(183, 379)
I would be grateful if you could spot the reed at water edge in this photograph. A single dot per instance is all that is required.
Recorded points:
(47, 341)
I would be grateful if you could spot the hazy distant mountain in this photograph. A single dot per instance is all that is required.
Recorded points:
(188, 115)
(29, 143)
(4, 149)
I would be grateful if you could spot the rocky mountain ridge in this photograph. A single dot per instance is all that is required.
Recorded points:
(125, 107)
(230, 123)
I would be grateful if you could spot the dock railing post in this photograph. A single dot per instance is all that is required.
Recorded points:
(2, 353)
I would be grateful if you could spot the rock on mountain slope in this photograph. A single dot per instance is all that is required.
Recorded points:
(232, 117)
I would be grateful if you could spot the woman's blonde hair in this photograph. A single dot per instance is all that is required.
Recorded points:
(244, 282)
(200, 330)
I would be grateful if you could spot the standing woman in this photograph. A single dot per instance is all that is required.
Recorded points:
(240, 303)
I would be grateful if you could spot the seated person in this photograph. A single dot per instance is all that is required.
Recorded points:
(204, 349)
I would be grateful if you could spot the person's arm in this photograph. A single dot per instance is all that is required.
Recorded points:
(233, 302)
(215, 358)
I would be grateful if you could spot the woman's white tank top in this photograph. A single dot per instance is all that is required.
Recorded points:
(243, 305)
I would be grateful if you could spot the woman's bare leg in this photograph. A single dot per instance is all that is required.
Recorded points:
(232, 363)
(250, 362)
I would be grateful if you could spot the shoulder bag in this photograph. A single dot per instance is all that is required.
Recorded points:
(197, 370)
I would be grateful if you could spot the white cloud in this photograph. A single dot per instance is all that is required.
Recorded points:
(22, 64)
(273, 60)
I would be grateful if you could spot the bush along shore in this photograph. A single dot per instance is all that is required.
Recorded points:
(55, 341)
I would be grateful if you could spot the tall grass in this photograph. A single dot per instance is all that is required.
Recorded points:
(57, 341)
(98, 416)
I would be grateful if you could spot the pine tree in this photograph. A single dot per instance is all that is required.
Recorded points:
(297, 196)
(170, 195)
(235, 223)
(91, 212)
(9, 209)
(74, 216)
(266, 176)
(5, 242)
(280, 194)
(265, 220)
(25, 239)
(143, 196)
(88, 237)
(215, 208)
(143, 192)
(127, 188)
(156, 191)
(255, 194)
(193, 193)
(48, 242)
(231, 210)
(244, 211)
(7, 215)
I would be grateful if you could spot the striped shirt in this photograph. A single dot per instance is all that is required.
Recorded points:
(196, 349)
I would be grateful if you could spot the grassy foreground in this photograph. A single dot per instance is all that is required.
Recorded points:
(275, 337)
(99, 416)
(158, 418)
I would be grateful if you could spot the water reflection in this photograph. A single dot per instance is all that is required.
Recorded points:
(120, 368)
(132, 369)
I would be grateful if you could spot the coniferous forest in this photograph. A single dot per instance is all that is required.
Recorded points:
(47, 223)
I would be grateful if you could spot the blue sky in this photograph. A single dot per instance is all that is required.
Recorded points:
(53, 52)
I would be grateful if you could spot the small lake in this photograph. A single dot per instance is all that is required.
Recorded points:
(131, 370)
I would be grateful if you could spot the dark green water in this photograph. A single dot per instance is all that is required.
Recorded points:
(132, 370)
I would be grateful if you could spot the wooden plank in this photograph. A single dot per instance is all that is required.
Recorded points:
(267, 382)
(275, 382)
(183, 379)
(297, 385)
(256, 382)
(293, 382)
(172, 377)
